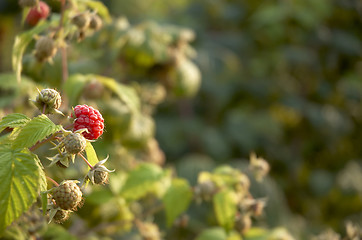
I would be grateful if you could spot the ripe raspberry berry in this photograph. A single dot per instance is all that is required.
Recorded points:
(48, 101)
(74, 143)
(89, 118)
(37, 13)
(68, 195)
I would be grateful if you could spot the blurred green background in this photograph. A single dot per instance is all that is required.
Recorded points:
(280, 78)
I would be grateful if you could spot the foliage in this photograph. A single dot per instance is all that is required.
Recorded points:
(279, 78)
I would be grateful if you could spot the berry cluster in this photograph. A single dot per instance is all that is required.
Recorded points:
(86, 117)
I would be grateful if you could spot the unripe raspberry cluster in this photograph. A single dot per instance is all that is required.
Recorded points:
(88, 124)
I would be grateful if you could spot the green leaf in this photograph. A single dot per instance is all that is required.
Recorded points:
(177, 199)
(74, 86)
(58, 232)
(142, 180)
(225, 208)
(21, 178)
(234, 236)
(35, 130)
(76, 83)
(127, 94)
(13, 120)
(11, 91)
(256, 234)
(101, 9)
(215, 233)
(20, 44)
(91, 154)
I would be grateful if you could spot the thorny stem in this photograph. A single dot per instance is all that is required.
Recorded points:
(63, 48)
(53, 181)
(39, 144)
(85, 160)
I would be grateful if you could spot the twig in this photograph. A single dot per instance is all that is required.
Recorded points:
(53, 181)
(85, 160)
(38, 144)
(63, 49)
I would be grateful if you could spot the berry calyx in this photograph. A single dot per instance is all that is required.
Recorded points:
(100, 177)
(48, 101)
(74, 143)
(89, 118)
(99, 173)
(44, 48)
(61, 216)
(37, 13)
(67, 195)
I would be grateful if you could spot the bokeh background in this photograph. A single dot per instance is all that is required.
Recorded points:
(282, 78)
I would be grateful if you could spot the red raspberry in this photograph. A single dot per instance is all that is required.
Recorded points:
(90, 118)
(35, 13)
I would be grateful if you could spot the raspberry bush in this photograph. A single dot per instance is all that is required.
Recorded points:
(95, 83)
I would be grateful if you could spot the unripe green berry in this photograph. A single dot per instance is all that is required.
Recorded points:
(81, 20)
(67, 195)
(74, 143)
(100, 177)
(48, 100)
(44, 48)
(95, 22)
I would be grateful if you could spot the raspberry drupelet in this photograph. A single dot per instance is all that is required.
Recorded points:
(89, 118)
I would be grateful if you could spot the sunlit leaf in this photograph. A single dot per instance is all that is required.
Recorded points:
(256, 234)
(91, 154)
(35, 130)
(176, 199)
(13, 120)
(215, 233)
(74, 86)
(21, 178)
(225, 208)
(142, 180)
(20, 44)
(127, 94)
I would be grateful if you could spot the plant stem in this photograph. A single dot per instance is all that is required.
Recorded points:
(63, 49)
(53, 181)
(38, 144)
(85, 160)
